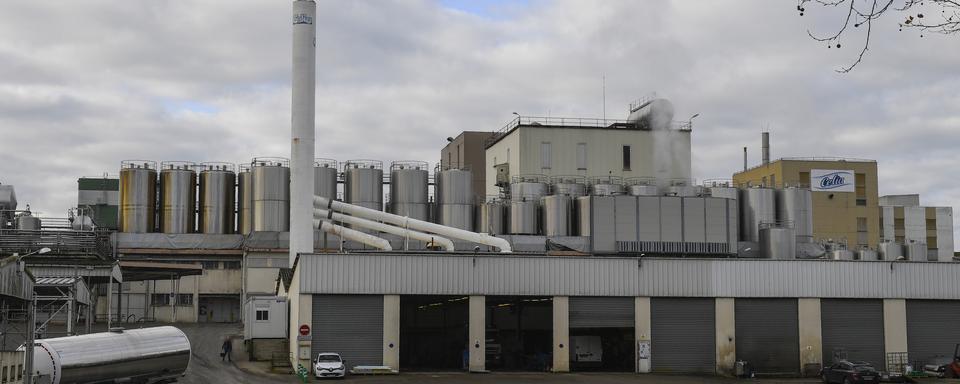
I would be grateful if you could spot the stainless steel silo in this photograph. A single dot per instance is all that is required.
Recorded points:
(915, 251)
(455, 200)
(531, 187)
(796, 206)
(867, 255)
(178, 197)
(493, 217)
(363, 183)
(26, 221)
(218, 182)
(573, 186)
(245, 200)
(891, 251)
(606, 186)
(557, 215)
(271, 194)
(778, 243)
(409, 182)
(642, 186)
(524, 217)
(757, 205)
(842, 254)
(325, 178)
(138, 196)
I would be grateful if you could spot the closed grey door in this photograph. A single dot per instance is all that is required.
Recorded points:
(768, 334)
(601, 312)
(933, 329)
(683, 335)
(351, 325)
(853, 328)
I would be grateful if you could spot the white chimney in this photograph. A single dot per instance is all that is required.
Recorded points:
(302, 127)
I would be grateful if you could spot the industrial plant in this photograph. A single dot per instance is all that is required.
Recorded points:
(548, 244)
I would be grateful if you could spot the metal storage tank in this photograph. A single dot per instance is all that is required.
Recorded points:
(26, 221)
(643, 186)
(244, 200)
(271, 194)
(138, 196)
(325, 178)
(583, 215)
(178, 197)
(573, 186)
(842, 254)
(363, 183)
(523, 217)
(217, 184)
(606, 186)
(890, 250)
(757, 205)
(408, 189)
(557, 215)
(867, 255)
(915, 251)
(796, 205)
(455, 200)
(531, 187)
(493, 217)
(779, 243)
(683, 188)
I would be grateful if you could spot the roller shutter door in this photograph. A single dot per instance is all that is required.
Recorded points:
(768, 334)
(854, 326)
(601, 312)
(351, 325)
(933, 328)
(683, 335)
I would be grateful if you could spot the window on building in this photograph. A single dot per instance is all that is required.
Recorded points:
(626, 157)
(185, 299)
(805, 179)
(459, 156)
(19, 371)
(931, 242)
(263, 314)
(125, 286)
(449, 159)
(582, 156)
(860, 180)
(545, 155)
(231, 265)
(210, 264)
(861, 224)
(4, 374)
(898, 224)
(862, 237)
(931, 224)
(160, 299)
(773, 181)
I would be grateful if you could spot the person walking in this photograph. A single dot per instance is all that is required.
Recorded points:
(225, 350)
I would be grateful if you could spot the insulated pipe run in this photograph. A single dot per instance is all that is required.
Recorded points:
(406, 222)
(326, 215)
(351, 234)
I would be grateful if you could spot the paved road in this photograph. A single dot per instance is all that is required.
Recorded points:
(206, 367)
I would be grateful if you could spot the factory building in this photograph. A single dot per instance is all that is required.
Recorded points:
(468, 151)
(904, 221)
(99, 199)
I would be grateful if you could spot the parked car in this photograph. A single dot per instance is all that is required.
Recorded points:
(329, 365)
(850, 372)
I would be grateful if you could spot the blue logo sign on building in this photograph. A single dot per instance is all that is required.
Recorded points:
(832, 180)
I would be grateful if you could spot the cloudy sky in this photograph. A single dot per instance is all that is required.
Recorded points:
(86, 84)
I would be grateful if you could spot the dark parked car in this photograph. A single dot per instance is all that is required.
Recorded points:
(847, 372)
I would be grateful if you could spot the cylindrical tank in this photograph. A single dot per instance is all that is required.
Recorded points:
(82, 222)
(271, 194)
(147, 355)
(26, 221)
(325, 178)
(654, 113)
(455, 198)
(363, 183)
(408, 189)
(757, 205)
(606, 186)
(245, 200)
(890, 250)
(683, 191)
(531, 187)
(842, 254)
(915, 251)
(217, 184)
(778, 243)
(138, 196)
(523, 217)
(583, 215)
(725, 192)
(796, 206)
(556, 215)
(573, 186)
(178, 197)
(642, 186)
(867, 255)
(493, 217)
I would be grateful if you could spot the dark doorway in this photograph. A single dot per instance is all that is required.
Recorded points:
(519, 334)
(433, 332)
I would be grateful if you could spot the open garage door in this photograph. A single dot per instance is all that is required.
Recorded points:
(853, 330)
(351, 325)
(519, 333)
(768, 335)
(602, 334)
(933, 328)
(433, 332)
(683, 335)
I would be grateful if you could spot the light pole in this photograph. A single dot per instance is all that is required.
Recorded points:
(31, 321)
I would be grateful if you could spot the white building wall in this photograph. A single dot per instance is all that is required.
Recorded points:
(945, 245)
(274, 327)
(504, 151)
(915, 224)
(888, 232)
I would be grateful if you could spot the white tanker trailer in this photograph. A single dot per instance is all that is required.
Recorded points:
(147, 355)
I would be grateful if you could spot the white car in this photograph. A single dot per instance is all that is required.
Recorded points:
(329, 365)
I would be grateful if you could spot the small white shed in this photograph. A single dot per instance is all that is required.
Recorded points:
(265, 317)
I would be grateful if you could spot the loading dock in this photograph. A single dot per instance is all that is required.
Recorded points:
(683, 335)
(932, 329)
(852, 329)
(351, 325)
(433, 332)
(519, 333)
(767, 335)
(602, 336)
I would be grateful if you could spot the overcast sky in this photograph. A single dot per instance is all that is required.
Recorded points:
(86, 84)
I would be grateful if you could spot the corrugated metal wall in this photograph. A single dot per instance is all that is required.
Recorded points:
(496, 274)
(933, 328)
(351, 325)
(601, 312)
(854, 326)
(768, 334)
(682, 335)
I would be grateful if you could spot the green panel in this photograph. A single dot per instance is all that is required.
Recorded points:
(105, 216)
(98, 184)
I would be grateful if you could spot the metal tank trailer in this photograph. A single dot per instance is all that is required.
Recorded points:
(147, 355)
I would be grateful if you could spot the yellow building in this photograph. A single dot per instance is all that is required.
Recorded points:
(845, 195)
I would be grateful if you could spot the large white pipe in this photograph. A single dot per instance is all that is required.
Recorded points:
(352, 234)
(302, 126)
(444, 242)
(406, 222)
